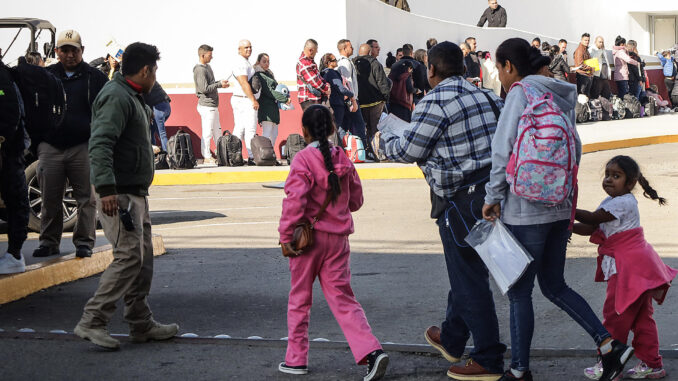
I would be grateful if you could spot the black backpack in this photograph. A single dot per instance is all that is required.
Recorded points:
(295, 143)
(180, 151)
(160, 160)
(44, 98)
(632, 106)
(229, 150)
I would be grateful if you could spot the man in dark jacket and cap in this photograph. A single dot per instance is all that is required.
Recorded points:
(373, 89)
(494, 15)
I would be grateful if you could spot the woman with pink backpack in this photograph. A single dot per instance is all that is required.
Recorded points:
(532, 188)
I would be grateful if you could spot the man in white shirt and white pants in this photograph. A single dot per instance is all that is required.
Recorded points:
(244, 104)
(353, 120)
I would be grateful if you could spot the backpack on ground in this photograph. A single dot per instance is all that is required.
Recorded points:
(354, 148)
(160, 160)
(618, 109)
(651, 107)
(44, 98)
(180, 151)
(229, 150)
(607, 107)
(596, 110)
(262, 151)
(542, 166)
(295, 143)
(632, 106)
(376, 147)
(582, 112)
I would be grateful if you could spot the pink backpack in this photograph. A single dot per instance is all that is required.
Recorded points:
(542, 166)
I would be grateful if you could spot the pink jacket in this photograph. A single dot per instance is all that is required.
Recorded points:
(621, 61)
(639, 268)
(306, 189)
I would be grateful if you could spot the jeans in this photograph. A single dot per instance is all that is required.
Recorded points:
(622, 88)
(161, 112)
(470, 306)
(353, 122)
(547, 243)
(635, 89)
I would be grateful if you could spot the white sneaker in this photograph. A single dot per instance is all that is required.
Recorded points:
(11, 265)
(209, 160)
(594, 372)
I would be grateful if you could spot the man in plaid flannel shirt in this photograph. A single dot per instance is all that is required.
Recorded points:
(310, 84)
(450, 138)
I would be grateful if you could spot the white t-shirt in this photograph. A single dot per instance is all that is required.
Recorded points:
(625, 209)
(349, 73)
(241, 66)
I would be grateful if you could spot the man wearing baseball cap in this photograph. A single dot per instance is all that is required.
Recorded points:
(63, 152)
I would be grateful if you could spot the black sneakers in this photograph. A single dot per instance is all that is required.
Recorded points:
(83, 251)
(44, 251)
(377, 362)
(300, 369)
(615, 360)
(508, 376)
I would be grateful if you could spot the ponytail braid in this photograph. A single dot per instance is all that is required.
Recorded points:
(648, 191)
(319, 123)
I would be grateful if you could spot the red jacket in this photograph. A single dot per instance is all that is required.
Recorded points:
(308, 75)
(639, 268)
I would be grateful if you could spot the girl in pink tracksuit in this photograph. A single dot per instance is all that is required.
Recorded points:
(317, 171)
(634, 272)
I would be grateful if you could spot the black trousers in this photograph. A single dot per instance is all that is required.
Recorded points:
(600, 87)
(15, 196)
(584, 85)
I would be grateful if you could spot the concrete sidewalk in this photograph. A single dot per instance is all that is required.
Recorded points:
(597, 136)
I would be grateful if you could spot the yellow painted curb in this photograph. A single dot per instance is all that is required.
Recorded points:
(628, 143)
(61, 270)
(206, 178)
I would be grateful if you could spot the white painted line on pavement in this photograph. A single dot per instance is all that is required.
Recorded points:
(214, 210)
(224, 224)
(211, 197)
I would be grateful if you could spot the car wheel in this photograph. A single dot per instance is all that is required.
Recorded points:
(68, 205)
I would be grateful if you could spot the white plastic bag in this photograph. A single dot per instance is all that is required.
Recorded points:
(504, 256)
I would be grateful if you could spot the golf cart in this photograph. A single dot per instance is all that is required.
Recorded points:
(30, 32)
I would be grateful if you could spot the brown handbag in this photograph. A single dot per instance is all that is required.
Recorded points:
(302, 237)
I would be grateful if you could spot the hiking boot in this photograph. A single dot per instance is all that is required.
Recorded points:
(471, 371)
(594, 372)
(156, 332)
(615, 360)
(44, 251)
(432, 336)
(11, 265)
(98, 336)
(83, 252)
(300, 369)
(509, 376)
(642, 371)
(377, 362)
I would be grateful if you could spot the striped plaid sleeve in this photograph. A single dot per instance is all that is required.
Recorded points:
(418, 141)
(312, 77)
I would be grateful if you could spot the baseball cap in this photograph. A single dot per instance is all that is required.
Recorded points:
(69, 37)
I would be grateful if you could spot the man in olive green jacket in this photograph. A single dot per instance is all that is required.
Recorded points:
(122, 170)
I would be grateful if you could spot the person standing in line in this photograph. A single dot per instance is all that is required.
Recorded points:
(536, 42)
(122, 171)
(374, 89)
(494, 15)
(354, 118)
(543, 229)
(621, 68)
(419, 75)
(471, 60)
(449, 137)
(669, 68)
(399, 54)
(401, 97)
(322, 177)
(159, 102)
(374, 47)
(244, 103)
(62, 153)
(206, 89)
(13, 188)
(558, 66)
(584, 72)
(431, 42)
(264, 83)
(340, 95)
(310, 84)
(637, 75)
(602, 77)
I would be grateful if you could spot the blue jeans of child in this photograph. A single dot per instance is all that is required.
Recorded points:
(622, 88)
(161, 112)
(547, 243)
(470, 305)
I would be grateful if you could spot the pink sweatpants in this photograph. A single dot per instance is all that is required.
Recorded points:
(328, 260)
(637, 318)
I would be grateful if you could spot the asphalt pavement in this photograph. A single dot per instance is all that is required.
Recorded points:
(224, 275)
